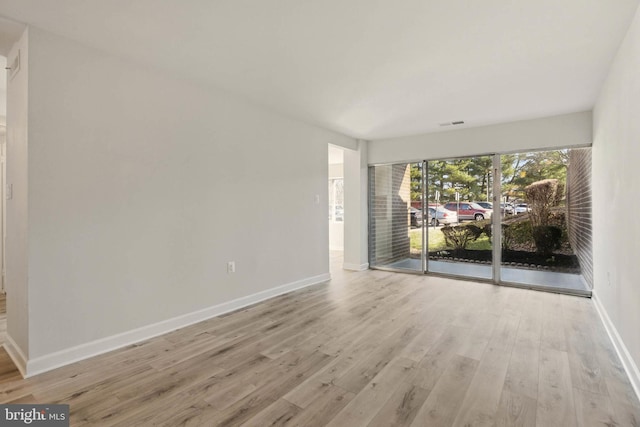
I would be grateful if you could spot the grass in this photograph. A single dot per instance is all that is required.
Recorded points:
(437, 243)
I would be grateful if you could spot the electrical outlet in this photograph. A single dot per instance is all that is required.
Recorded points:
(231, 267)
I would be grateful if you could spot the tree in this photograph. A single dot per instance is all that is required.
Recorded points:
(523, 169)
(481, 167)
(416, 181)
(472, 176)
(469, 176)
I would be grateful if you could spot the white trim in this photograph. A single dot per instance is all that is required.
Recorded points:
(15, 353)
(355, 267)
(623, 353)
(67, 356)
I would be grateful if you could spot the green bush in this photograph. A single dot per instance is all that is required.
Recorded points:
(516, 233)
(459, 236)
(542, 196)
(486, 229)
(547, 238)
(507, 237)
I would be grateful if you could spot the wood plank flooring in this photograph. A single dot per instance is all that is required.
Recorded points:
(367, 349)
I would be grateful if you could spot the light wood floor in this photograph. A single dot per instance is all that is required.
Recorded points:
(371, 348)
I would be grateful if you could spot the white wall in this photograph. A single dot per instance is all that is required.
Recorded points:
(3, 199)
(3, 89)
(141, 188)
(336, 235)
(616, 174)
(356, 233)
(550, 132)
(17, 212)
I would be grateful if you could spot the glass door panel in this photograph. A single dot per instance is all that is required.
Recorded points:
(459, 200)
(396, 216)
(541, 223)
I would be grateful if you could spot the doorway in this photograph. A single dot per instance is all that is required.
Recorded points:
(336, 208)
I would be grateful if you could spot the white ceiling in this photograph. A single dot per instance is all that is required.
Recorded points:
(366, 68)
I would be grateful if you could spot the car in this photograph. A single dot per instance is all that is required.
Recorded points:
(416, 217)
(506, 208)
(486, 205)
(469, 211)
(440, 215)
(521, 208)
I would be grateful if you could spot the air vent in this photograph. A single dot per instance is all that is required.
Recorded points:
(457, 122)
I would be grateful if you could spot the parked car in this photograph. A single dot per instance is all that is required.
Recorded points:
(416, 217)
(506, 208)
(486, 205)
(469, 210)
(440, 215)
(521, 208)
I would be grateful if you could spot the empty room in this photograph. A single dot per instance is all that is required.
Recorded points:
(320, 213)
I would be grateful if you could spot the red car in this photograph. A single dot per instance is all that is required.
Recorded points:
(469, 210)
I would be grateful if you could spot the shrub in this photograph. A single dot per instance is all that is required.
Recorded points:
(559, 219)
(460, 235)
(541, 197)
(559, 194)
(474, 230)
(487, 229)
(516, 233)
(547, 238)
(507, 237)
(457, 236)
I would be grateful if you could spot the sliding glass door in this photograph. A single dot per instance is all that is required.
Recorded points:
(546, 221)
(460, 195)
(441, 216)
(442, 227)
(396, 217)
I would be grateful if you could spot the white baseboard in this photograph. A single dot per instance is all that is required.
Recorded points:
(64, 357)
(16, 354)
(355, 267)
(623, 353)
